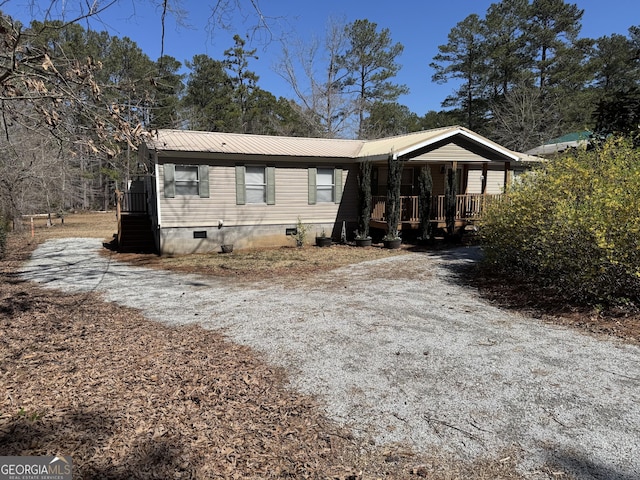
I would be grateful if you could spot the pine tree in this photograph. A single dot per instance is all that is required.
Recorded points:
(463, 57)
(370, 61)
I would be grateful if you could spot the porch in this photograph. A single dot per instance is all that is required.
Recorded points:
(469, 208)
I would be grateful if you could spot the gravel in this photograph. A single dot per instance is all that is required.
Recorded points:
(400, 352)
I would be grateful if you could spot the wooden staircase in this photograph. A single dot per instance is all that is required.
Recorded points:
(135, 234)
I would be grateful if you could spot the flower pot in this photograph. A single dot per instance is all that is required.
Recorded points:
(227, 248)
(392, 244)
(363, 242)
(323, 241)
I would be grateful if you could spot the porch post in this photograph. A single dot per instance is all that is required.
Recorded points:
(464, 181)
(483, 188)
(507, 174)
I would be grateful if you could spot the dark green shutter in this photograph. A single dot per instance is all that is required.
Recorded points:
(337, 182)
(271, 185)
(203, 181)
(240, 186)
(169, 180)
(312, 185)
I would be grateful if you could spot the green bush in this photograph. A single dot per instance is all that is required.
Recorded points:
(573, 225)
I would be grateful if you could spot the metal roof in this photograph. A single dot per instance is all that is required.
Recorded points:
(393, 145)
(571, 140)
(244, 144)
(248, 144)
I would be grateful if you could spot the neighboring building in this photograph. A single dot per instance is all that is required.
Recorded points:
(207, 189)
(560, 144)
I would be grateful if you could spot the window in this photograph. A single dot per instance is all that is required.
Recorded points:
(255, 185)
(407, 186)
(406, 182)
(186, 180)
(325, 185)
(255, 182)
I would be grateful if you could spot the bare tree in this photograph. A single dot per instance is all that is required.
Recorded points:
(55, 89)
(523, 119)
(314, 73)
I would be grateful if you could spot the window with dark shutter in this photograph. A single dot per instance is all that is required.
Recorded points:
(186, 180)
(255, 184)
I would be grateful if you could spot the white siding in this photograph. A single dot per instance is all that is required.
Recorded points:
(495, 181)
(458, 150)
(474, 181)
(291, 197)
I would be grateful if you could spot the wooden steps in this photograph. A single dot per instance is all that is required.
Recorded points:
(136, 234)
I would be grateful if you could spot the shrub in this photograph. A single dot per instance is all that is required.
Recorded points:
(450, 194)
(392, 206)
(573, 225)
(364, 199)
(425, 182)
(301, 233)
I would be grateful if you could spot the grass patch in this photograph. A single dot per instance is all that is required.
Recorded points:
(87, 224)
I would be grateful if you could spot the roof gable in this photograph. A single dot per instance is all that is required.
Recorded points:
(449, 134)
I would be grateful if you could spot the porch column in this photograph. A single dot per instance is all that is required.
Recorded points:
(507, 174)
(483, 188)
(464, 181)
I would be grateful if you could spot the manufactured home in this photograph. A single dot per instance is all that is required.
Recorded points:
(207, 189)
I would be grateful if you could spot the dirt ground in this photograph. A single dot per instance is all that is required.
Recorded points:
(128, 398)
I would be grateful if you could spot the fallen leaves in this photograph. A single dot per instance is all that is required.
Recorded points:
(130, 398)
(114, 391)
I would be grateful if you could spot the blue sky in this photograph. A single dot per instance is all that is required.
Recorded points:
(420, 25)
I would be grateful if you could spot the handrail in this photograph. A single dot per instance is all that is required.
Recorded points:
(133, 202)
(468, 207)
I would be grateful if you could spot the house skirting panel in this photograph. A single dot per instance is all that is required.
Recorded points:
(181, 240)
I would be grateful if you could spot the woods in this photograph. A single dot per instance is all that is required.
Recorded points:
(76, 101)
(527, 76)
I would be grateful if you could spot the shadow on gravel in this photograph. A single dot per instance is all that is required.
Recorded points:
(460, 261)
(582, 467)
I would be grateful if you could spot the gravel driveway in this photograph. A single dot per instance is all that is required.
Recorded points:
(411, 357)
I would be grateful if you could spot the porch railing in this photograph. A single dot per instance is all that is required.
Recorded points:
(468, 207)
(132, 202)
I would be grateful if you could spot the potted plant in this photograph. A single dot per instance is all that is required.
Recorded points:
(363, 239)
(392, 241)
(323, 240)
(392, 238)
